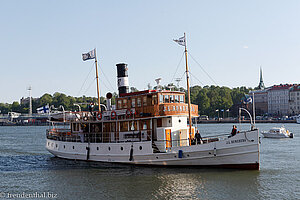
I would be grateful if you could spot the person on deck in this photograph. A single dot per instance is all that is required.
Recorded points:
(198, 137)
(91, 107)
(233, 131)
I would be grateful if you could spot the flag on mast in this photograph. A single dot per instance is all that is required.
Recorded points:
(181, 41)
(89, 55)
(44, 109)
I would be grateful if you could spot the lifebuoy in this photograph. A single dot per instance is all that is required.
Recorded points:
(113, 114)
(128, 113)
(99, 115)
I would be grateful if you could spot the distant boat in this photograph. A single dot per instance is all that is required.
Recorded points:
(298, 119)
(277, 133)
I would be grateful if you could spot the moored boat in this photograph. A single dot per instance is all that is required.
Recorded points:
(298, 119)
(276, 132)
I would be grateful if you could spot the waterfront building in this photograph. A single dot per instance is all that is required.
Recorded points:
(278, 99)
(294, 100)
(261, 101)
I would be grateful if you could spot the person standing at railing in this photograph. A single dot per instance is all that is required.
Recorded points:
(198, 137)
(91, 107)
(234, 130)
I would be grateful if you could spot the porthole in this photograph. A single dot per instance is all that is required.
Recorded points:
(156, 157)
(175, 156)
(108, 148)
(121, 148)
(188, 155)
(179, 121)
(141, 147)
(48, 143)
(56, 145)
(73, 147)
(97, 148)
(64, 146)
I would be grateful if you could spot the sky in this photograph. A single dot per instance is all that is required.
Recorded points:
(41, 43)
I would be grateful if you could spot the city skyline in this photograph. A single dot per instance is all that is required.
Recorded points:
(42, 43)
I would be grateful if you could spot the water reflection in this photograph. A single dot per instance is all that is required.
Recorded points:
(25, 166)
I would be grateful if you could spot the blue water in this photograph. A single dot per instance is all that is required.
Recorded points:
(26, 167)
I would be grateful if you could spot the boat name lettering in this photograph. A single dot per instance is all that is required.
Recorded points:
(235, 141)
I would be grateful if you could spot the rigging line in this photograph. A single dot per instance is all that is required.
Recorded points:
(106, 79)
(203, 69)
(177, 67)
(102, 82)
(196, 78)
(90, 85)
(85, 79)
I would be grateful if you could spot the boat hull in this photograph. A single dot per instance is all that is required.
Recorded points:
(272, 135)
(240, 151)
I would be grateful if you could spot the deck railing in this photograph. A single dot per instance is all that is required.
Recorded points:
(97, 137)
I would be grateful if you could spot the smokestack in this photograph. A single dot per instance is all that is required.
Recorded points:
(123, 85)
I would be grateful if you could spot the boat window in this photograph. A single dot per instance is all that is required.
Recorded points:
(176, 99)
(166, 99)
(145, 126)
(133, 103)
(159, 122)
(123, 126)
(119, 103)
(139, 102)
(154, 99)
(161, 98)
(145, 101)
(171, 99)
(124, 103)
(180, 108)
(176, 108)
(173, 108)
(168, 108)
(133, 125)
(181, 99)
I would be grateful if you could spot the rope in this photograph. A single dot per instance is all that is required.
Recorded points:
(203, 70)
(85, 79)
(196, 78)
(177, 67)
(107, 79)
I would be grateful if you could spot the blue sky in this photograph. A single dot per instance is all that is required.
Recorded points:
(42, 42)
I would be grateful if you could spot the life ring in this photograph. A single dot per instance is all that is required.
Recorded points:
(113, 114)
(99, 115)
(85, 118)
(128, 113)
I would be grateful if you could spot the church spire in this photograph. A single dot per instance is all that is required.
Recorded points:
(261, 84)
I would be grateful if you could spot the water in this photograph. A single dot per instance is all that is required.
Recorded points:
(27, 168)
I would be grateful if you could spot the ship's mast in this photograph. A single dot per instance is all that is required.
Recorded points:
(96, 65)
(188, 87)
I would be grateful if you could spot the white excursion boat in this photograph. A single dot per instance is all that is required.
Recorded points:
(277, 133)
(149, 128)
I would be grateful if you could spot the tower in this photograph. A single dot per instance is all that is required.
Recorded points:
(261, 84)
(30, 101)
